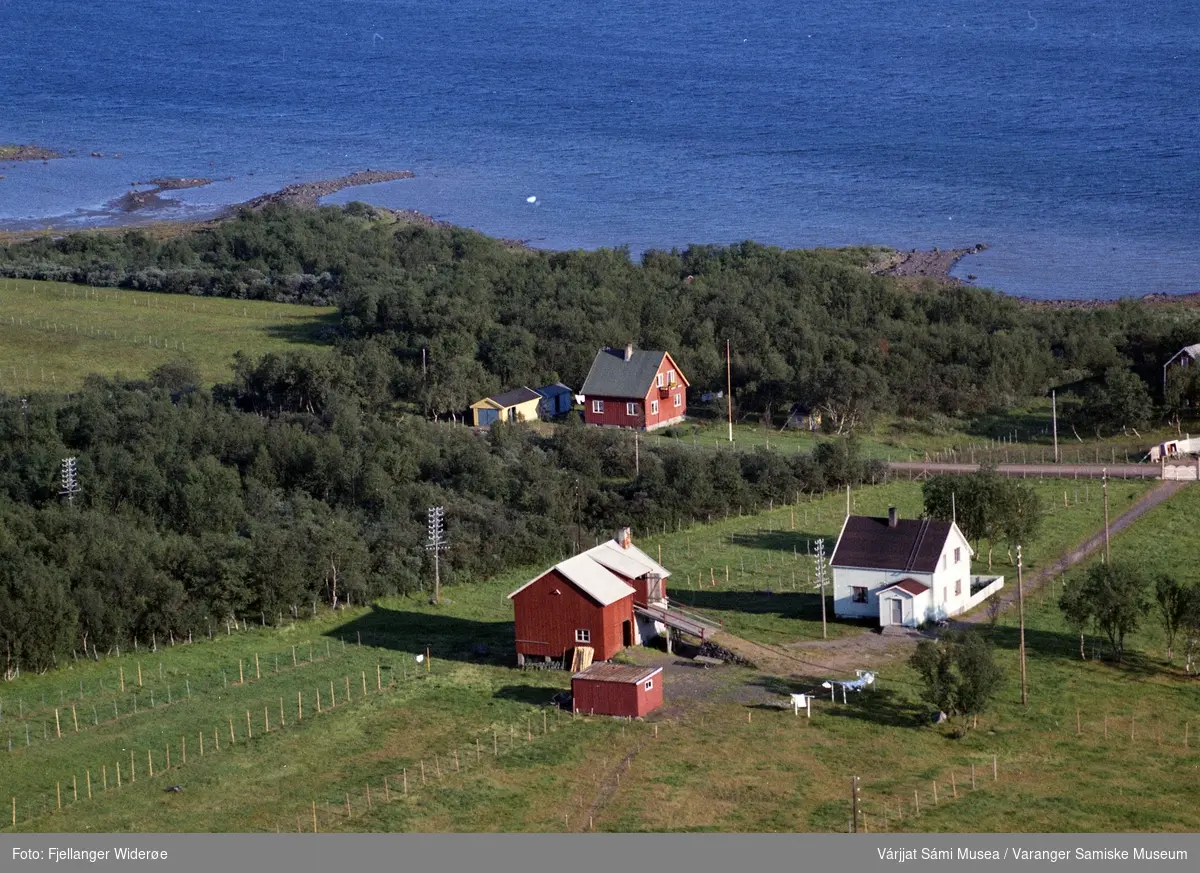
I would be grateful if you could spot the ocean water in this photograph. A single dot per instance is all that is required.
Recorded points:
(1063, 133)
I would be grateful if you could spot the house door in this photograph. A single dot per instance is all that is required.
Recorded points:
(627, 633)
(897, 611)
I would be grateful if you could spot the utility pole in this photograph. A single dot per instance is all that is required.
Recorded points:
(1021, 610)
(637, 464)
(729, 386)
(68, 480)
(436, 543)
(1104, 481)
(847, 501)
(820, 574)
(1054, 419)
(854, 804)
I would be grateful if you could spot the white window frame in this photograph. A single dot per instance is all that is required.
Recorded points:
(659, 380)
(678, 400)
(957, 554)
(670, 377)
(631, 409)
(958, 588)
(648, 684)
(654, 407)
(583, 635)
(597, 407)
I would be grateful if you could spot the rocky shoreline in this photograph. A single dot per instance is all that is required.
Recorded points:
(932, 264)
(134, 201)
(309, 194)
(17, 153)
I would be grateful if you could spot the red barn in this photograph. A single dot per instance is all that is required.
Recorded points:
(617, 689)
(638, 389)
(577, 602)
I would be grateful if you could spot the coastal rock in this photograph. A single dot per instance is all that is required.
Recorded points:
(309, 194)
(17, 153)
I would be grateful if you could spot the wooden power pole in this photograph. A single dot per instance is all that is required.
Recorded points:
(1054, 419)
(729, 387)
(1104, 483)
(1021, 611)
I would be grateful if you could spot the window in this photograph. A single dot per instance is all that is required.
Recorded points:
(678, 400)
(648, 684)
(957, 555)
(957, 587)
(670, 377)
(631, 409)
(659, 380)
(583, 635)
(858, 595)
(597, 406)
(654, 407)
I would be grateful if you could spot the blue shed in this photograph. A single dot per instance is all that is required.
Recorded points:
(556, 400)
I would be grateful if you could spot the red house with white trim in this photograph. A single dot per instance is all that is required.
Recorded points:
(637, 389)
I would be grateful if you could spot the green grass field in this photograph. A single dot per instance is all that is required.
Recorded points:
(52, 335)
(496, 758)
(769, 596)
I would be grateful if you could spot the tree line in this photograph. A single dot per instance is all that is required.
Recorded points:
(442, 316)
(196, 508)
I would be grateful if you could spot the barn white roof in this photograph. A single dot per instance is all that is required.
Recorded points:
(631, 562)
(589, 576)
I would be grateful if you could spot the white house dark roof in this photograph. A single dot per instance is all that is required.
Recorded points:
(613, 376)
(912, 546)
(590, 577)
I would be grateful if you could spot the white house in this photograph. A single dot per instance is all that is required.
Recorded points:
(905, 571)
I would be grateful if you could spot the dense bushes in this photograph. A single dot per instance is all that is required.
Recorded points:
(193, 511)
(808, 327)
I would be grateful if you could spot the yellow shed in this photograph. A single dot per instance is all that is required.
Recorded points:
(520, 404)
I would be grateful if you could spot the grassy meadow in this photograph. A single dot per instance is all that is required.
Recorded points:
(54, 334)
(720, 756)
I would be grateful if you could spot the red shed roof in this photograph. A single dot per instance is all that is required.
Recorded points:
(606, 672)
(912, 586)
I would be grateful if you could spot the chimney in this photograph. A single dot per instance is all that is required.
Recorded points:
(629, 351)
(892, 517)
(624, 538)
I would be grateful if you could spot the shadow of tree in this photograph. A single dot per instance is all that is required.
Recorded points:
(447, 637)
(789, 542)
(880, 706)
(319, 329)
(1059, 645)
(533, 695)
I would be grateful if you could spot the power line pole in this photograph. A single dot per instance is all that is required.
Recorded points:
(637, 464)
(729, 386)
(68, 480)
(1107, 553)
(1021, 610)
(436, 544)
(820, 574)
(1054, 419)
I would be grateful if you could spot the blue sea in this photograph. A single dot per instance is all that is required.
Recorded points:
(1066, 135)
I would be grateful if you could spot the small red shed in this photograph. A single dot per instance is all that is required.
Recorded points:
(617, 689)
(577, 602)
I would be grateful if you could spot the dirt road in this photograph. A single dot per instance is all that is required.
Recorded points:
(1049, 471)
